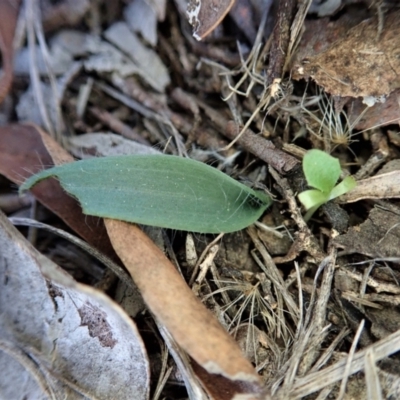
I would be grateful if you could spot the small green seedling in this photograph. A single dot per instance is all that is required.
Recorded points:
(159, 190)
(322, 172)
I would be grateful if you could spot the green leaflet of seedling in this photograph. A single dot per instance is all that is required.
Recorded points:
(159, 190)
(322, 172)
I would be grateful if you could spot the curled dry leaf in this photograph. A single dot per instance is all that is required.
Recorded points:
(361, 63)
(167, 295)
(83, 345)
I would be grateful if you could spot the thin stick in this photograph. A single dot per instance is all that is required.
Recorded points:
(202, 256)
(350, 357)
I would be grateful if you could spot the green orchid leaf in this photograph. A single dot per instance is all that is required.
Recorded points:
(312, 198)
(159, 190)
(343, 187)
(321, 170)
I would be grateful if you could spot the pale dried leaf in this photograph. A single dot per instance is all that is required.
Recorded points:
(106, 58)
(142, 18)
(28, 109)
(193, 386)
(70, 41)
(153, 69)
(384, 186)
(58, 154)
(106, 144)
(59, 61)
(78, 337)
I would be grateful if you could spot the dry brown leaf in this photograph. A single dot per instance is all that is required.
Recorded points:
(361, 63)
(206, 15)
(384, 186)
(167, 295)
(380, 114)
(24, 153)
(79, 343)
(319, 34)
(8, 21)
(219, 387)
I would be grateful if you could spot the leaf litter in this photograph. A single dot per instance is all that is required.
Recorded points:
(293, 295)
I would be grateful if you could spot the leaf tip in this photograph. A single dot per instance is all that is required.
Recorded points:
(34, 179)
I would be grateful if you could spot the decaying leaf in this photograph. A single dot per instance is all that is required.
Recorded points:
(321, 33)
(81, 343)
(361, 63)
